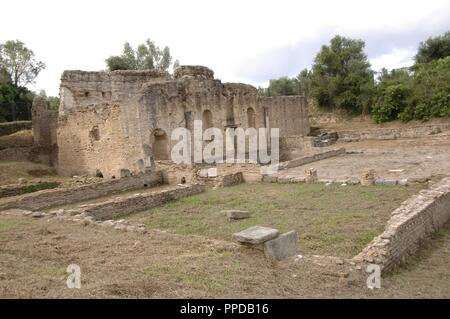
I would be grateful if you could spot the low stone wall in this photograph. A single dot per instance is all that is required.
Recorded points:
(135, 203)
(15, 154)
(18, 189)
(393, 133)
(409, 224)
(55, 197)
(311, 158)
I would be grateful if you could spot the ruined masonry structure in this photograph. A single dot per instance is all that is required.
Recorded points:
(121, 121)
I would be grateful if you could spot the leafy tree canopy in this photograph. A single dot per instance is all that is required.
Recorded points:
(434, 48)
(341, 75)
(146, 56)
(19, 62)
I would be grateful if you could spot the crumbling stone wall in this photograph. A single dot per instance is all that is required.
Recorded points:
(44, 123)
(62, 196)
(289, 113)
(131, 204)
(109, 121)
(415, 220)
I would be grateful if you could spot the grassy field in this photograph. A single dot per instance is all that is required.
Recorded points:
(330, 220)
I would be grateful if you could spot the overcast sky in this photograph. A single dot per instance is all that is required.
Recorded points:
(242, 41)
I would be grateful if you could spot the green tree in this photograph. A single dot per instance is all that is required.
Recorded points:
(52, 101)
(282, 86)
(342, 77)
(15, 102)
(430, 91)
(392, 94)
(434, 48)
(303, 81)
(18, 68)
(147, 56)
(19, 62)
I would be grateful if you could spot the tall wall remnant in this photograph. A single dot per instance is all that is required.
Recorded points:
(110, 121)
(44, 124)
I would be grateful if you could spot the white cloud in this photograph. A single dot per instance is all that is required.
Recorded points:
(80, 34)
(397, 58)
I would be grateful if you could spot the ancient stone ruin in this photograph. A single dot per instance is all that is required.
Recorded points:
(121, 121)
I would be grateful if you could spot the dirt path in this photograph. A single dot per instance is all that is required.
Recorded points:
(391, 159)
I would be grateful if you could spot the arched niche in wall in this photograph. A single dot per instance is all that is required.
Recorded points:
(160, 144)
(207, 121)
(251, 117)
(207, 118)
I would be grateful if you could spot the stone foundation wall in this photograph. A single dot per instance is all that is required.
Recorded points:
(311, 158)
(55, 197)
(393, 133)
(415, 220)
(121, 207)
(15, 154)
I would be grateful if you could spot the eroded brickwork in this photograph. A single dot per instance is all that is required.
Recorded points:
(415, 220)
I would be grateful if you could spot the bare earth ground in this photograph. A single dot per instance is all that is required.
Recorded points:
(34, 255)
(417, 158)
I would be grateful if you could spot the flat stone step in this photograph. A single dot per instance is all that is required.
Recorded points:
(256, 235)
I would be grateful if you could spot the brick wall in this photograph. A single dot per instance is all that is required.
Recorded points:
(415, 220)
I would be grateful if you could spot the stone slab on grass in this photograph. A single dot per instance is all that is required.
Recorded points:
(282, 247)
(256, 235)
(234, 214)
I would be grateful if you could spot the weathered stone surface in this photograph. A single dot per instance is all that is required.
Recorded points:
(124, 173)
(233, 179)
(117, 107)
(38, 214)
(386, 182)
(256, 235)
(212, 172)
(270, 178)
(284, 246)
(234, 214)
(311, 176)
(61, 196)
(203, 173)
(311, 158)
(368, 178)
